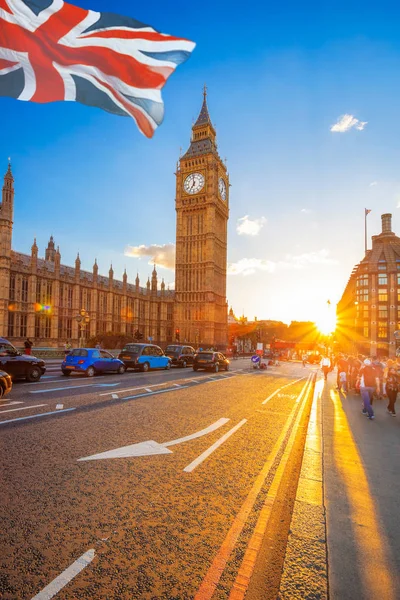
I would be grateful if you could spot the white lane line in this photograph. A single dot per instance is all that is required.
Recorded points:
(63, 378)
(134, 389)
(194, 380)
(59, 406)
(198, 434)
(176, 385)
(23, 408)
(183, 387)
(148, 390)
(54, 412)
(66, 576)
(279, 389)
(10, 403)
(61, 389)
(211, 449)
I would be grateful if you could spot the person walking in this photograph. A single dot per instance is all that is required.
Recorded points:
(28, 346)
(325, 366)
(369, 383)
(304, 359)
(392, 389)
(67, 348)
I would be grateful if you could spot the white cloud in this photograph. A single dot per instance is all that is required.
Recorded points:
(320, 257)
(248, 266)
(373, 183)
(346, 122)
(163, 256)
(246, 226)
(307, 211)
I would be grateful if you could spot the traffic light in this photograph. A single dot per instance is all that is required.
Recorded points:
(177, 334)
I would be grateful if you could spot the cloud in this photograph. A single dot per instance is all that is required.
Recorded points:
(163, 256)
(246, 226)
(346, 122)
(373, 183)
(248, 266)
(300, 261)
(307, 211)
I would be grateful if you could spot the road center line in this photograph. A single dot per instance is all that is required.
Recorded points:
(61, 389)
(66, 576)
(23, 408)
(183, 387)
(211, 449)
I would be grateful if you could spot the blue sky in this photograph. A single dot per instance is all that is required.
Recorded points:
(279, 77)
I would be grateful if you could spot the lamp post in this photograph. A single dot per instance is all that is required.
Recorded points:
(83, 320)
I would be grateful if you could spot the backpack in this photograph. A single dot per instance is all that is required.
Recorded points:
(369, 373)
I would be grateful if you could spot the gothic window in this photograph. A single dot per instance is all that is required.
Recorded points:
(11, 323)
(12, 286)
(24, 290)
(70, 296)
(23, 326)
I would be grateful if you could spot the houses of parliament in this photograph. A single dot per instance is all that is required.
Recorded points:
(42, 299)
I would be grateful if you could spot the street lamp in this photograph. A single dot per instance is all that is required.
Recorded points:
(83, 320)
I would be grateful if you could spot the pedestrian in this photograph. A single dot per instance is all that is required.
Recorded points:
(28, 346)
(67, 348)
(343, 381)
(304, 359)
(342, 366)
(98, 346)
(369, 384)
(325, 366)
(392, 389)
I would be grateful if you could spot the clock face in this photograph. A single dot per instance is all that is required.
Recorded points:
(222, 188)
(194, 183)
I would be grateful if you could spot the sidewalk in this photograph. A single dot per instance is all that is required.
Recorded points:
(344, 541)
(362, 497)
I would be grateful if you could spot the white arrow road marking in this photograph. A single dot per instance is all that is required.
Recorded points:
(151, 447)
(211, 449)
(281, 388)
(66, 576)
(114, 396)
(59, 406)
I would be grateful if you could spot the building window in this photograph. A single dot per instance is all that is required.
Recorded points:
(23, 326)
(383, 295)
(24, 290)
(382, 279)
(382, 312)
(382, 265)
(382, 329)
(12, 286)
(11, 323)
(362, 281)
(366, 331)
(362, 295)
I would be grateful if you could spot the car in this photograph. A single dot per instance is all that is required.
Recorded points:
(214, 361)
(5, 384)
(91, 361)
(181, 356)
(143, 357)
(18, 365)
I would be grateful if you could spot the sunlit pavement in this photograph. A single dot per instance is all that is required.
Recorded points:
(234, 485)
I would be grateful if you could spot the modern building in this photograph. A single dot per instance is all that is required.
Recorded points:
(42, 299)
(368, 313)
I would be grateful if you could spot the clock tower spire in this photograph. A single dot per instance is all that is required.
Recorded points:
(202, 207)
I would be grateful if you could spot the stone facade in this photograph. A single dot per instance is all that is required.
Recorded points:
(41, 298)
(368, 313)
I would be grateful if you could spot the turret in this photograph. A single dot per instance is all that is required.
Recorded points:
(137, 284)
(111, 276)
(57, 259)
(148, 285)
(34, 255)
(6, 214)
(50, 250)
(95, 271)
(154, 281)
(77, 267)
(125, 278)
(162, 287)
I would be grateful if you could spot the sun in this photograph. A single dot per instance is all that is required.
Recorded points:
(326, 324)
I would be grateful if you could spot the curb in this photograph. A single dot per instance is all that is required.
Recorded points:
(305, 570)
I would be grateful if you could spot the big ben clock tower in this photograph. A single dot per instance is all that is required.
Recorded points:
(202, 207)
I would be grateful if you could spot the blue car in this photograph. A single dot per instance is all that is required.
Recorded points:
(143, 357)
(91, 361)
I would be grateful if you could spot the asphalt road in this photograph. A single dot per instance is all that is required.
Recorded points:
(171, 513)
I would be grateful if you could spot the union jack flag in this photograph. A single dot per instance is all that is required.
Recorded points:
(51, 50)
